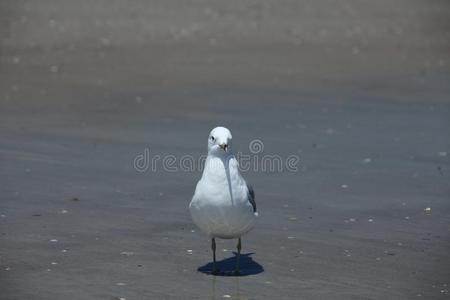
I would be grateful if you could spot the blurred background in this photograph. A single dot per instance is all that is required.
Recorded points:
(359, 90)
(145, 46)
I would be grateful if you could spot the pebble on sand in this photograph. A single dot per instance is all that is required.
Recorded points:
(427, 209)
(189, 251)
(330, 131)
(367, 160)
(54, 69)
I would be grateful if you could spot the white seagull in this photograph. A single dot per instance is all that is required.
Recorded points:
(223, 205)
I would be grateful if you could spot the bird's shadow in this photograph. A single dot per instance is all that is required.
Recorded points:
(227, 266)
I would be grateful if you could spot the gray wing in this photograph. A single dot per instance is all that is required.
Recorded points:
(251, 196)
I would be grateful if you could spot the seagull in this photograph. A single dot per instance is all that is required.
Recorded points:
(223, 205)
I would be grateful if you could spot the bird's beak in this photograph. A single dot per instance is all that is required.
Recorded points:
(223, 147)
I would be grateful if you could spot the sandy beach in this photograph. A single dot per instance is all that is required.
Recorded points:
(358, 91)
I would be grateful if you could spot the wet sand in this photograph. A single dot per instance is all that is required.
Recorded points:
(359, 92)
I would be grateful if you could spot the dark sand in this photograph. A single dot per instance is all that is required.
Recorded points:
(359, 90)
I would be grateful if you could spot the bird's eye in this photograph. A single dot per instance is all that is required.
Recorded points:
(212, 138)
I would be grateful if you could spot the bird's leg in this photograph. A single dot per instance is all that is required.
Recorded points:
(239, 247)
(213, 247)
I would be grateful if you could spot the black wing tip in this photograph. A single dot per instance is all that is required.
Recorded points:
(251, 197)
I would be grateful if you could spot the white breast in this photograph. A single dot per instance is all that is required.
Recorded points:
(220, 205)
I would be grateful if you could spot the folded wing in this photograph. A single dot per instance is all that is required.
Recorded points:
(251, 196)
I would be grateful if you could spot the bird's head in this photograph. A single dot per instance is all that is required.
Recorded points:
(219, 141)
